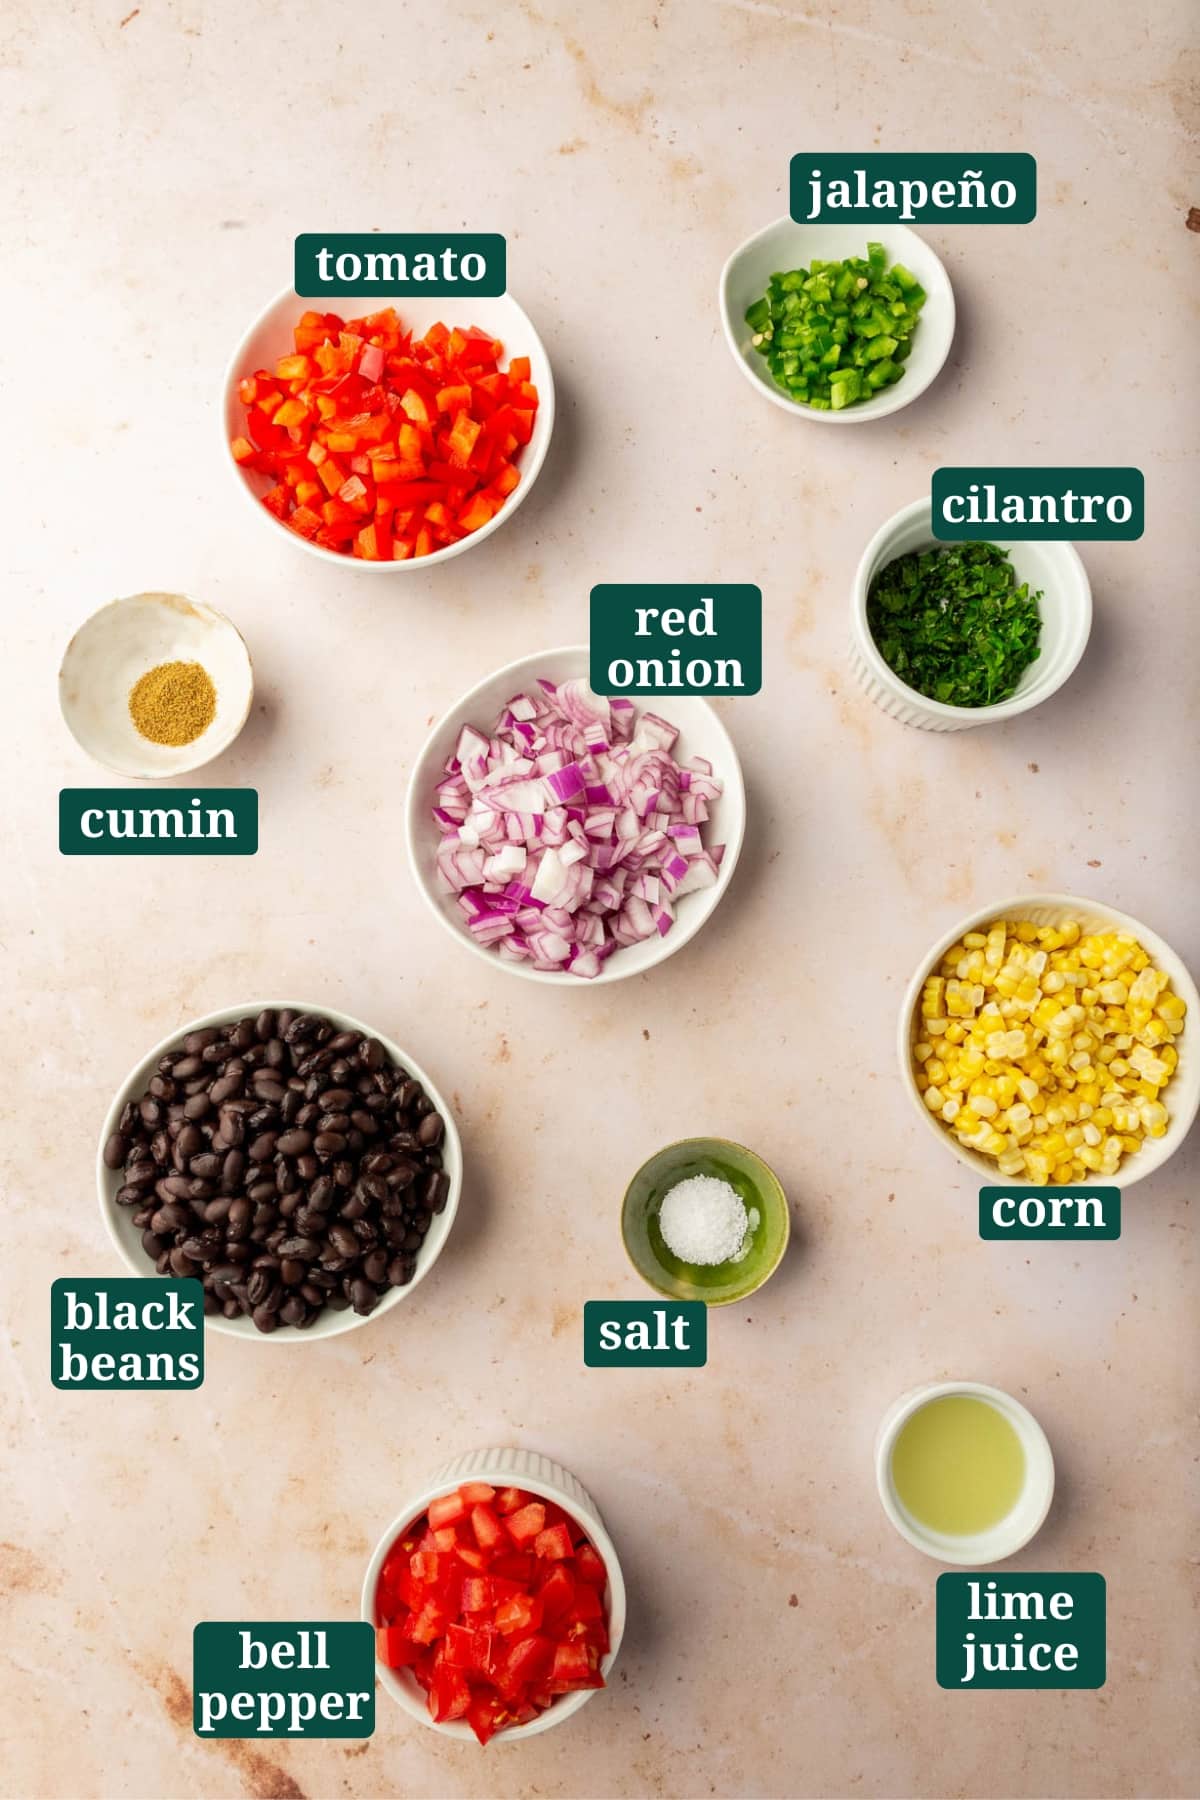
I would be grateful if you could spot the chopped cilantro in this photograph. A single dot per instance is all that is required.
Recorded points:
(953, 623)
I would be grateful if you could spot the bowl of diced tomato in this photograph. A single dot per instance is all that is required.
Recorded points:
(497, 1599)
(389, 437)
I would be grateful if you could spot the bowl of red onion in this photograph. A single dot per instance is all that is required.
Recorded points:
(569, 836)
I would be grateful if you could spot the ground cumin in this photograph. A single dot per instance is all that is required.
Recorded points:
(173, 703)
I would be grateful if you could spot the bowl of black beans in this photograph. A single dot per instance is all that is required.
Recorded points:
(301, 1167)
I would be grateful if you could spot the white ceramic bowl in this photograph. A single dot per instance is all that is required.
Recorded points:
(128, 1239)
(118, 645)
(701, 733)
(1052, 567)
(270, 337)
(785, 245)
(1181, 1096)
(502, 1468)
(1012, 1532)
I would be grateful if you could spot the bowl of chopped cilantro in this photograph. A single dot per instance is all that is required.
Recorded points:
(951, 635)
(838, 323)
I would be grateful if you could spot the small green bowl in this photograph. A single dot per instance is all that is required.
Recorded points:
(758, 1186)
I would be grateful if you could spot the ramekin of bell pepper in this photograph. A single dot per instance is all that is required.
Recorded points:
(496, 1610)
(391, 441)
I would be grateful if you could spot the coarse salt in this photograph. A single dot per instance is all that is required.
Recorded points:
(703, 1220)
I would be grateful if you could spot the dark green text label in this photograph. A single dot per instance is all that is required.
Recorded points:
(1049, 1212)
(1021, 1631)
(679, 637)
(1038, 503)
(177, 822)
(440, 264)
(837, 189)
(126, 1332)
(654, 1334)
(283, 1680)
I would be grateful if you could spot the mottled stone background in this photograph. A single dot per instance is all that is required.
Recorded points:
(159, 161)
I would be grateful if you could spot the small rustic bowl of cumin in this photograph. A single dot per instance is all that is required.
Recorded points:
(155, 685)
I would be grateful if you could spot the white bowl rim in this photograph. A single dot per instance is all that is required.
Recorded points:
(345, 1321)
(566, 1704)
(977, 715)
(530, 468)
(892, 399)
(217, 618)
(985, 1547)
(611, 969)
(1153, 1153)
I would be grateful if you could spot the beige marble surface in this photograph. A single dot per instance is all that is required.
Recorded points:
(781, 1636)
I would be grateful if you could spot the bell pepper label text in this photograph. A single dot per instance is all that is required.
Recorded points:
(283, 1680)
(664, 1334)
(197, 822)
(839, 189)
(126, 1332)
(439, 264)
(675, 638)
(1021, 1631)
(1049, 1212)
(1037, 503)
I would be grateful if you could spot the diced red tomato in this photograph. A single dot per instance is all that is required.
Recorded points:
(511, 1500)
(378, 417)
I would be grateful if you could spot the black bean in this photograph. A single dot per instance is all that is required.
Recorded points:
(241, 1214)
(264, 1318)
(217, 1211)
(364, 1297)
(337, 1099)
(429, 1131)
(263, 1147)
(116, 1150)
(293, 1143)
(293, 1311)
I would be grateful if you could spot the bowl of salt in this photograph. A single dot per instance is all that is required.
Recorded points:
(705, 1219)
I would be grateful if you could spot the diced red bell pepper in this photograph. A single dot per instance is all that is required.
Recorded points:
(589, 1565)
(557, 1594)
(511, 1500)
(449, 1695)
(520, 1615)
(523, 1526)
(554, 1543)
(489, 1532)
(394, 1649)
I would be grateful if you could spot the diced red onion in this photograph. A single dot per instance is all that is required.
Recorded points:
(572, 831)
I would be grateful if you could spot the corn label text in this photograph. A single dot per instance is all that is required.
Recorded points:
(1049, 1212)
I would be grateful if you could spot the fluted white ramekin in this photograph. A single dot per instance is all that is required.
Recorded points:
(550, 1481)
(1051, 566)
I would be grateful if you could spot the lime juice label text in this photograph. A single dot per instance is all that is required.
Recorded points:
(840, 189)
(1021, 1631)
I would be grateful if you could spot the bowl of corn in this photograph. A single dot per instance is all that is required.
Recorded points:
(1043, 1041)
